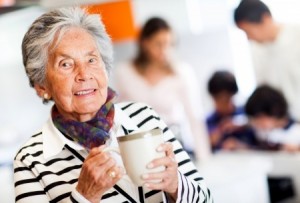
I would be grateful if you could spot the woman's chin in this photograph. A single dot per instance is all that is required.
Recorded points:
(90, 102)
(88, 108)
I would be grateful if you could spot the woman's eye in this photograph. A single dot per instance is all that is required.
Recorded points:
(66, 64)
(92, 60)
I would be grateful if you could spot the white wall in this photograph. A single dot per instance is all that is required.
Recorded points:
(204, 40)
(21, 110)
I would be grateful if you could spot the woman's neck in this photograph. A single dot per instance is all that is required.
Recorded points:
(275, 31)
(159, 65)
(154, 72)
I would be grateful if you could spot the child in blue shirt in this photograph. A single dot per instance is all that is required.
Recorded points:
(228, 125)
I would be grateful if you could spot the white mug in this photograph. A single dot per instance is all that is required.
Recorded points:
(137, 151)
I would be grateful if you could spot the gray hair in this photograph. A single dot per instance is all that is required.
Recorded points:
(41, 34)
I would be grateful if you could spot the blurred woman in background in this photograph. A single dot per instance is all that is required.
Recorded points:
(169, 86)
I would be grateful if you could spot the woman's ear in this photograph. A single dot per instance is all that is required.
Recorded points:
(145, 44)
(42, 91)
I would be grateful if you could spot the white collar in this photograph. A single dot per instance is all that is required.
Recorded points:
(54, 140)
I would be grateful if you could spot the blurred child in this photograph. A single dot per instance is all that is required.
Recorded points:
(268, 112)
(227, 125)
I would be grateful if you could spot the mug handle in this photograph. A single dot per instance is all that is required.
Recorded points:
(112, 149)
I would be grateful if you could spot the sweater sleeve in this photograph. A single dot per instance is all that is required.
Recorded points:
(191, 186)
(29, 189)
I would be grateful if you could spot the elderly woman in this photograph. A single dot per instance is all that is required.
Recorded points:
(67, 56)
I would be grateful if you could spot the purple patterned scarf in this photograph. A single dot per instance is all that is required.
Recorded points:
(92, 133)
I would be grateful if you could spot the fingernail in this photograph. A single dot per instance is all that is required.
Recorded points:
(150, 165)
(145, 176)
(159, 149)
(147, 185)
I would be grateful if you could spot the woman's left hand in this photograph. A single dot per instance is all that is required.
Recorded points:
(168, 177)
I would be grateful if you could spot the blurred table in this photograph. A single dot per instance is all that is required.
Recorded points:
(235, 177)
(284, 164)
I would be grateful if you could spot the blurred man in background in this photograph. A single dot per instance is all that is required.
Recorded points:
(275, 50)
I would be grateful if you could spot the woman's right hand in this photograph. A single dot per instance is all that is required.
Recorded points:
(99, 173)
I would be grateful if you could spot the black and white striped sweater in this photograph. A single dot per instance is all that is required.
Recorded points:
(42, 175)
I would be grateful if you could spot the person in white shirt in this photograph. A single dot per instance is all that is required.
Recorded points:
(67, 55)
(168, 85)
(268, 112)
(275, 50)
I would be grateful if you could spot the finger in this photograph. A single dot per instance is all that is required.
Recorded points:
(167, 148)
(156, 186)
(111, 181)
(164, 161)
(168, 186)
(106, 167)
(117, 171)
(95, 151)
(155, 176)
(118, 174)
(98, 166)
(98, 159)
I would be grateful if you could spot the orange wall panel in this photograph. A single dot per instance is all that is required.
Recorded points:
(117, 17)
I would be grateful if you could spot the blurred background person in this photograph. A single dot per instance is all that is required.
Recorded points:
(275, 130)
(268, 112)
(227, 124)
(275, 50)
(168, 85)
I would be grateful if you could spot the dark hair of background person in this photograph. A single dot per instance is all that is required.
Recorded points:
(150, 28)
(222, 81)
(266, 100)
(251, 11)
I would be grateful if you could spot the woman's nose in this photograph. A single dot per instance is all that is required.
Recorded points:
(83, 74)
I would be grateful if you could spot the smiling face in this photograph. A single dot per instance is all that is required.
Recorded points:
(76, 77)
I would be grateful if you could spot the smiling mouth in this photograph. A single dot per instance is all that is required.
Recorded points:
(84, 92)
